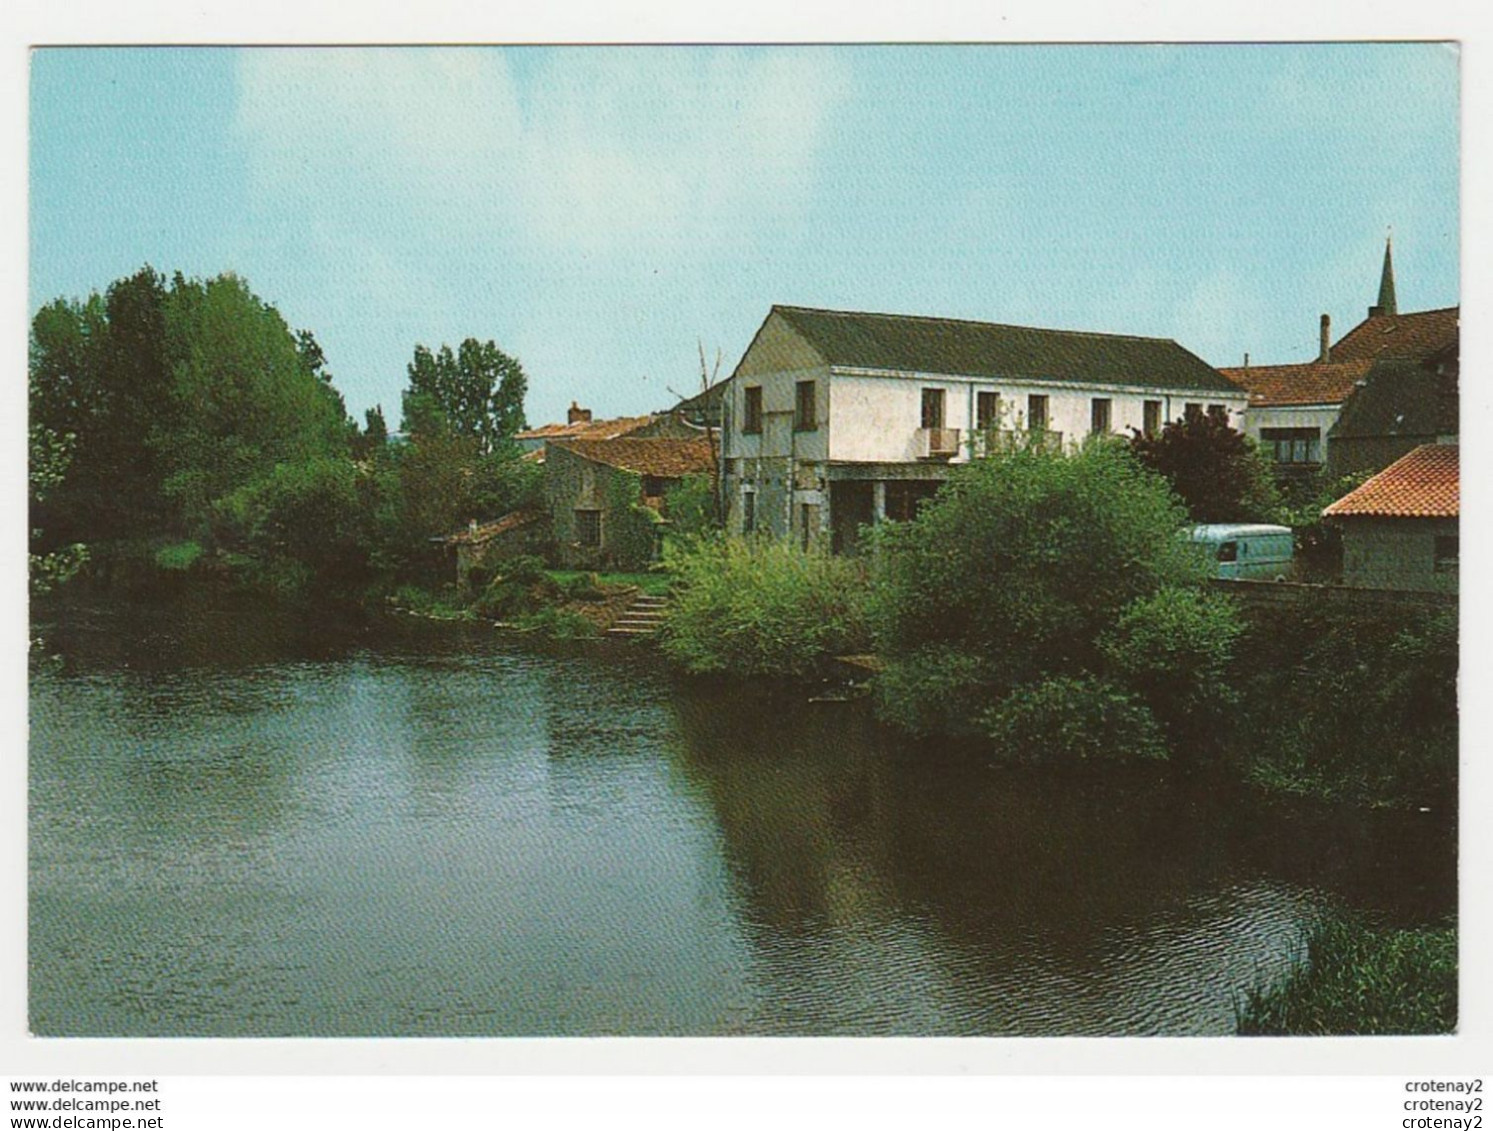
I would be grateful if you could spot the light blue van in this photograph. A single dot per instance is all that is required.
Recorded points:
(1248, 549)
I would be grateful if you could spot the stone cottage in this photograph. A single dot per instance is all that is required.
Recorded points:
(607, 497)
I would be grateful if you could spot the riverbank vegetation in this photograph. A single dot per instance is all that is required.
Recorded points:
(1007, 578)
(1051, 607)
(759, 607)
(182, 432)
(1354, 978)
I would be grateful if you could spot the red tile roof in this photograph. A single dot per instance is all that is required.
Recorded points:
(587, 429)
(1314, 382)
(1417, 335)
(662, 457)
(1423, 484)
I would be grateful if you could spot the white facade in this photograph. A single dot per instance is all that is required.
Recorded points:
(798, 430)
(1268, 424)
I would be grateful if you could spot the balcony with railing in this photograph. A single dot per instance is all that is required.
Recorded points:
(938, 443)
(993, 441)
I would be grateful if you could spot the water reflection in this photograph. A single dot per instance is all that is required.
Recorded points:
(1023, 901)
(468, 834)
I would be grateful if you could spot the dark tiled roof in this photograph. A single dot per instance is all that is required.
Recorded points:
(1423, 484)
(1400, 398)
(986, 349)
(662, 457)
(1415, 336)
(1312, 383)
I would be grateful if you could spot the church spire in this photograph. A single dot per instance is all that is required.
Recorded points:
(1386, 303)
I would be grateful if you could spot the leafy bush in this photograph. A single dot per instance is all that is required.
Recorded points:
(1066, 719)
(559, 624)
(762, 608)
(935, 690)
(520, 588)
(690, 506)
(1356, 705)
(176, 556)
(1174, 649)
(306, 512)
(1355, 978)
(1018, 563)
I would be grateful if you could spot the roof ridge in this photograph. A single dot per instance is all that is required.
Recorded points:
(973, 322)
(1295, 365)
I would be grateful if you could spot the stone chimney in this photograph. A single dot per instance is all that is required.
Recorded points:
(1324, 353)
(577, 414)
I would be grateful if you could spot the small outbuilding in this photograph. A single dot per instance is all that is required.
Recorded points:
(481, 546)
(606, 497)
(1400, 528)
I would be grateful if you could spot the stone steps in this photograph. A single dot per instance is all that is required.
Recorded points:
(641, 618)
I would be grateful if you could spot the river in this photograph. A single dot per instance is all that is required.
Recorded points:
(242, 825)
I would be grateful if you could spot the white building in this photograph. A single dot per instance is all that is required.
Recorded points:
(1292, 408)
(839, 419)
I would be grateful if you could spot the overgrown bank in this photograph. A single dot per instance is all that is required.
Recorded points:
(1355, 978)
(1051, 607)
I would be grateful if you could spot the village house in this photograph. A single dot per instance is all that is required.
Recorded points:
(1385, 387)
(835, 419)
(606, 497)
(1400, 528)
(1293, 408)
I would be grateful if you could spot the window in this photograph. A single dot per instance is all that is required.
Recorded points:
(805, 408)
(1293, 445)
(748, 512)
(588, 528)
(1191, 411)
(1228, 551)
(933, 403)
(1219, 412)
(904, 497)
(656, 486)
(987, 411)
(1036, 412)
(1099, 409)
(1151, 418)
(752, 419)
(1446, 553)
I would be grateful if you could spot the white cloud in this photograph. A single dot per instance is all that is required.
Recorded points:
(593, 150)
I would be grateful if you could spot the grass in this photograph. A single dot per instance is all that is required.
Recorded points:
(653, 584)
(1358, 979)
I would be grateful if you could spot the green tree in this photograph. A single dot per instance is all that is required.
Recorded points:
(375, 435)
(100, 371)
(1218, 473)
(304, 517)
(1009, 574)
(246, 399)
(476, 392)
(1174, 648)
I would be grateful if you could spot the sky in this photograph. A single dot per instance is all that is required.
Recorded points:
(604, 213)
